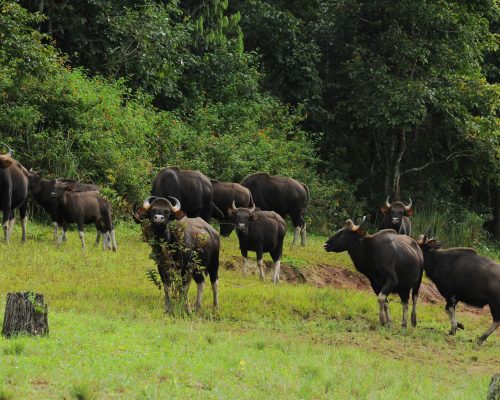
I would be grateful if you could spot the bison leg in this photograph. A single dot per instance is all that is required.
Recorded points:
(215, 291)
(414, 298)
(450, 310)
(10, 227)
(113, 240)
(277, 265)
(260, 263)
(168, 302)
(381, 303)
(82, 238)
(490, 330)
(303, 235)
(98, 239)
(404, 322)
(387, 313)
(296, 234)
(199, 294)
(24, 222)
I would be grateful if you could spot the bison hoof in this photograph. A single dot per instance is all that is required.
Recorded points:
(452, 331)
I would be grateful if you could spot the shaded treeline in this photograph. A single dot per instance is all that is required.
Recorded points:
(360, 100)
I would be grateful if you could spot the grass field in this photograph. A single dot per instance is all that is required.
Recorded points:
(109, 336)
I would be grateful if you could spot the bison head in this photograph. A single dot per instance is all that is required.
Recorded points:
(158, 210)
(62, 187)
(428, 244)
(396, 211)
(343, 239)
(241, 217)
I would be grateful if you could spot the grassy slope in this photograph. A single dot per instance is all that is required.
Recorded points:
(109, 337)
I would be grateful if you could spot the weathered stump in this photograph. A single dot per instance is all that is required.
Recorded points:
(494, 390)
(25, 313)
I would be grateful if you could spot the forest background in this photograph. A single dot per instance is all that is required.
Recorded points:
(359, 100)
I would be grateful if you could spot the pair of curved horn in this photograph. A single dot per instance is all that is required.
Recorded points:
(356, 227)
(9, 153)
(233, 206)
(174, 208)
(388, 205)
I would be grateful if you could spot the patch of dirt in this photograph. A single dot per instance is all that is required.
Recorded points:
(339, 277)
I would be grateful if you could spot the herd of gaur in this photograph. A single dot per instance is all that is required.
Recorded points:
(256, 207)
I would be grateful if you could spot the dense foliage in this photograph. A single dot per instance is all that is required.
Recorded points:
(359, 100)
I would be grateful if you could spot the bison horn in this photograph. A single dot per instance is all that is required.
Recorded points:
(233, 205)
(177, 206)
(407, 208)
(252, 209)
(147, 202)
(9, 153)
(356, 227)
(387, 204)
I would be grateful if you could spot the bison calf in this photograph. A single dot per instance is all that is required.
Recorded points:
(461, 274)
(393, 263)
(262, 232)
(185, 246)
(85, 208)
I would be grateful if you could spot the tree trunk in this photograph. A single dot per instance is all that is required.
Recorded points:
(25, 313)
(494, 390)
(396, 187)
(496, 213)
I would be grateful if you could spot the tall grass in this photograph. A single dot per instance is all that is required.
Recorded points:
(452, 227)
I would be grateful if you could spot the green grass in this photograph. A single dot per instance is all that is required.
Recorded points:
(109, 336)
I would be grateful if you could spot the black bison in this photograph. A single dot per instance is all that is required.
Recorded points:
(225, 193)
(85, 208)
(42, 189)
(13, 193)
(461, 274)
(393, 263)
(396, 217)
(262, 232)
(191, 243)
(191, 188)
(286, 196)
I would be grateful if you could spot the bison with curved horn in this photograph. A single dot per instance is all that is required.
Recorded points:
(182, 247)
(396, 216)
(393, 263)
(13, 193)
(259, 231)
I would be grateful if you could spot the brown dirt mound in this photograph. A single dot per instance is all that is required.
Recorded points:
(339, 277)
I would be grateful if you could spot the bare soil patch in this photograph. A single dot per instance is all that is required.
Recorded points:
(324, 275)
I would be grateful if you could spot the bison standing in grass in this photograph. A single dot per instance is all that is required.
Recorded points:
(396, 216)
(13, 193)
(393, 263)
(182, 247)
(461, 274)
(259, 231)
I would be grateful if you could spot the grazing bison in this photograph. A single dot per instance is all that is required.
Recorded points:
(42, 192)
(262, 232)
(225, 193)
(13, 193)
(461, 274)
(396, 217)
(191, 188)
(85, 208)
(393, 263)
(191, 243)
(285, 196)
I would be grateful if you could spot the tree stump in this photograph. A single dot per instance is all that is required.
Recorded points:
(25, 313)
(494, 390)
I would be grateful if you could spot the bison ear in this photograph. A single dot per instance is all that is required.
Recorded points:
(230, 212)
(139, 214)
(253, 217)
(384, 210)
(360, 232)
(179, 214)
(5, 163)
(70, 186)
(409, 212)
